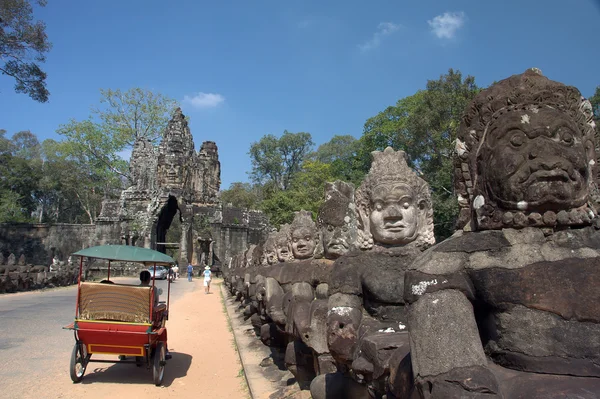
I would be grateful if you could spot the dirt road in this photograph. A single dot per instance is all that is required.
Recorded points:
(204, 364)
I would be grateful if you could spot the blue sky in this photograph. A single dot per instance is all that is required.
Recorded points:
(245, 69)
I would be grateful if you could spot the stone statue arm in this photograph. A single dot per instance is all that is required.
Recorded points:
(447, 355)
(344, 313)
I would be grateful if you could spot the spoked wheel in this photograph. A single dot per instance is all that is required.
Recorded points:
(79, 361)
(159, 363)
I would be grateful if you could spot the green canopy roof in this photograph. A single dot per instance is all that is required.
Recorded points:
(126, 253)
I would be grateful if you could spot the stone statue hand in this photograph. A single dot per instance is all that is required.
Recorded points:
(342, 332)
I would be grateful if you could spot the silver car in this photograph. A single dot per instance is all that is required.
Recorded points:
(161, 272)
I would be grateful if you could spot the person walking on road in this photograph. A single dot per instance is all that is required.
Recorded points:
(207, 274)
(190, 271)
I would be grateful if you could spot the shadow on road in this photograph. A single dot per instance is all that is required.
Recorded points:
(127, 373)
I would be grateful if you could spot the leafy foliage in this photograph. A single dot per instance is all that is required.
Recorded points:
(23, 45)
(240, 195)
(125, 117)
(424, 125)
(277, 160)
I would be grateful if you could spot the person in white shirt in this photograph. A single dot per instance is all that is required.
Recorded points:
(207, 275)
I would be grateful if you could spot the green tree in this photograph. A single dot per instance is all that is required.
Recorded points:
(240, 195)
(278, 159)
(19, 172)
(23, 46)
(306, 192)
(114, 127)
(341, 153)
(424, 125)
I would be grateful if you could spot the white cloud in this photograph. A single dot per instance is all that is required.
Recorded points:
(383, 29)
(445, 26)
(203, 100)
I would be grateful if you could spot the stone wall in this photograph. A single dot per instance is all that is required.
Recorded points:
(40, 242)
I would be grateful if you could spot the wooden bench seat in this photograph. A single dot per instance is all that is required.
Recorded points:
(114, 302)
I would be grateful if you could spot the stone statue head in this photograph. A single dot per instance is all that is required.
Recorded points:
(175, 153)
(303, 235)
(337, 219)
(394, 204)
(282, 244)
(526, 155)
(270, 249)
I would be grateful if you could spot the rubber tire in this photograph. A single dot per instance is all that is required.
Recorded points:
(75, 360)
(158, 370)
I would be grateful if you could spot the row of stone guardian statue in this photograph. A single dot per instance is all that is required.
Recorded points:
(367, 305)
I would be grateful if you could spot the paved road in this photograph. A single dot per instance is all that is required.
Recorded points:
(32, 342)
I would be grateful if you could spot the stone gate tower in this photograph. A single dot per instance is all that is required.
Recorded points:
(173, 180)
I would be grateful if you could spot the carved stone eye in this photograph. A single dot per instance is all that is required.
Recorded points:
(517, 138)
(378, 206)
(566, 137)
(406, 205)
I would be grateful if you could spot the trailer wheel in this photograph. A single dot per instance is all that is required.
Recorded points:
(79, 361)
(159, 363)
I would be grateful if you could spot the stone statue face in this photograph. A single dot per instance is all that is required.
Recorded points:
(535, 159)
(173, 174)
(337, 219)
(303, 242)
(283, 251)
(336, 240)
(394, 214)
(270, 255)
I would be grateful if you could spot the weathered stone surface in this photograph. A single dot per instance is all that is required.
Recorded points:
(337, 220)
(337, 385)
(393, 194)
(377, 348)
(474, 382)
(298, 359)
(418, 283)
(469, 242)
(516, 384)
(526, 154)
(303, 291)
(270, 335)
(325, 364)
(322, 291)
(540, 337)
(401, 377)
(316, 335)
(342, 332)
(458, 346)
(568, 288)
(534, 172)
(304, 235)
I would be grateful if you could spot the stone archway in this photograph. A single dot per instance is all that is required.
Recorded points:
(165, 219)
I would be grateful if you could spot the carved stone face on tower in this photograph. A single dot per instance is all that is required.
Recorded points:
(303, 235)
(394, 204)
(337, 219)
(282, 244)
(526, 155)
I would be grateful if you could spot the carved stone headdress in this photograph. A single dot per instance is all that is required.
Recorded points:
(389, 167)
(528, 92)
(338, 206)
